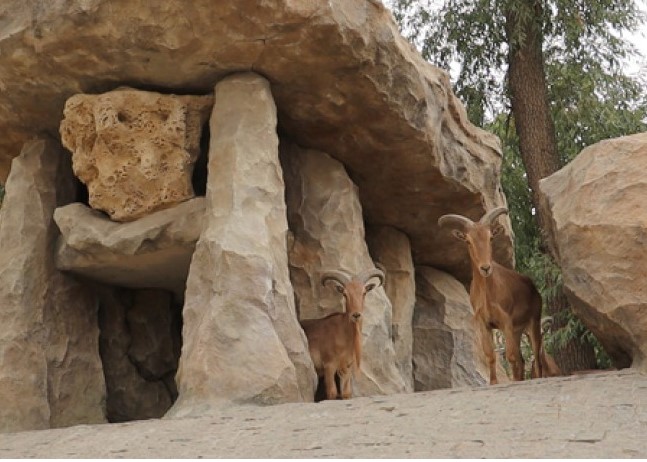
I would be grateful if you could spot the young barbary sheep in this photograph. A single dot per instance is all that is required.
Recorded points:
(501, 298)
(335, 342)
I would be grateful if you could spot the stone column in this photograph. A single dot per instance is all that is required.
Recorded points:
(325, 217)
(392, 249)
(242, 340)
(50, 370)
(444, 350)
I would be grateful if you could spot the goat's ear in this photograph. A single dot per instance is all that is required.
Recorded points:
(458, 234)
(496, 230)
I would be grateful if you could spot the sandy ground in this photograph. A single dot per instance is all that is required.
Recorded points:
(591, 416)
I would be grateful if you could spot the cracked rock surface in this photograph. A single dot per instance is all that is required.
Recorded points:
(590, 416)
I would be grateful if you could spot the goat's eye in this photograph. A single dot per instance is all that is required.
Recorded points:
(340, 289)
(369, 287)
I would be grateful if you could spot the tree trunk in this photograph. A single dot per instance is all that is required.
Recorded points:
(537, 143)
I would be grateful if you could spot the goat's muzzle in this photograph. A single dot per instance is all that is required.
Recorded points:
(486, 270)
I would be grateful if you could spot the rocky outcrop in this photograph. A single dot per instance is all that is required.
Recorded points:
(600, 226)
(344, 80)
(154, 251)
(325, 218)
(444, 350)
(134, 150)
(392, 250)
(50, 371)
(242, 341)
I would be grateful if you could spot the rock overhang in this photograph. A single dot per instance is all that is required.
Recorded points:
(345, 82)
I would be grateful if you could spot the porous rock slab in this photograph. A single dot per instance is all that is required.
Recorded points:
(134, 150)
(50, 370)
(241, 339)
(599, 223)
(344, 80)
(152, 252)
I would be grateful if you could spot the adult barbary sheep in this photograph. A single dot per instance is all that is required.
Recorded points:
(501, 298)
(335, 342)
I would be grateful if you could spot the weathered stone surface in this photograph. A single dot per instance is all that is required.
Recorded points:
(344, 80)
(600, 226)
(242, 340)
(134, 150)
(392, 249)
(444, 351)
(50, 371)
(325, 218)
(154, 251)
(131, 395)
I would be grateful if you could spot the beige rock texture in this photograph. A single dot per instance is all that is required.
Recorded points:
(242, 340)
(599, 223)
(134, 150)
(344, 80)
(391, 248)
(444, 351)
(153, 252)
(325, 218)
(50, 370)
(138, 369)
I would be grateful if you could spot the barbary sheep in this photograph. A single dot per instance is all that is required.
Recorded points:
(335, 342)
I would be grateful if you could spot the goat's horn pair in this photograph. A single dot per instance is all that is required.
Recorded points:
(372, 273)
(338, 276)
(458, 221)
(492, 215)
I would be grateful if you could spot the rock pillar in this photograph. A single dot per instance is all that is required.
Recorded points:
(241, 338)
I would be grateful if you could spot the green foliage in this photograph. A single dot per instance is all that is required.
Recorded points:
(591, 98)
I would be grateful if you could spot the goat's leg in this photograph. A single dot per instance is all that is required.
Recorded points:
(345, 377)
(487, 345)
(513, 353)
(535, 341)
(329, 381)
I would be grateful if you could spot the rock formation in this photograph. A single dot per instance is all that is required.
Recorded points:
(134, 150)
(600, 227)
(444, 351)
(392, 250)
(370, 134)
(154, 251)
(242, 341)
(50, 371)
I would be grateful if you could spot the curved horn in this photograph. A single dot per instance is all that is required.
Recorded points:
(339, 276)
(372, 273)
(492, 215)
(458, 221)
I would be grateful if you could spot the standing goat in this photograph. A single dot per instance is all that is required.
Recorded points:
(501, 298)
(335, 342)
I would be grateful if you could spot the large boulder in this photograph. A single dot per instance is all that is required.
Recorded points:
(241, 339)
(50, 370)
(344, 80)
(599, 224)
(325, 217)
(134, 150)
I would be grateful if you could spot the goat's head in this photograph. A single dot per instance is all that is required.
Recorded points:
(354, 288)
(478, 236)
